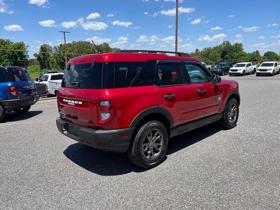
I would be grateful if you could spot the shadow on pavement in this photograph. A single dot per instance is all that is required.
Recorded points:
(12, 117)
(110, 164)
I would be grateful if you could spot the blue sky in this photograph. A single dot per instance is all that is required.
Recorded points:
(143, 24)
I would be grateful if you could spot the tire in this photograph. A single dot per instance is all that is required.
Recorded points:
(230, 115)
(2, 113)
(257, 75)
(22, 110)
(243, 73)
(145, 152)
(230, 75)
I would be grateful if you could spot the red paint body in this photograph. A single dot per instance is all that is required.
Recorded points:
(128, 103)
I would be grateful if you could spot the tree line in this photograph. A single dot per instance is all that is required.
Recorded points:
(52, 57)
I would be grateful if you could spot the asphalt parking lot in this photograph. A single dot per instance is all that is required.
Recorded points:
(206, 169)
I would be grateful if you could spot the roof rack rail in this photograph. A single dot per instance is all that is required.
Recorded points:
(153, 51)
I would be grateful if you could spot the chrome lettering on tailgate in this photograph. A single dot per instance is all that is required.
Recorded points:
(72, 102)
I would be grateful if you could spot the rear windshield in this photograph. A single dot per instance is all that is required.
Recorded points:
(109, 75)
(57, 77)
(19, 74)
(83, 76)
(4, 75)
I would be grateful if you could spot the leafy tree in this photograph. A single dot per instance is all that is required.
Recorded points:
(271, 56)
(13, 53)
(44, 56)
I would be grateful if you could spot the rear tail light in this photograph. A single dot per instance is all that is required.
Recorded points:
(105, 108)
(12, 90)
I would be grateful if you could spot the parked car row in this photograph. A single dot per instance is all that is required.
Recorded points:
(245, 68)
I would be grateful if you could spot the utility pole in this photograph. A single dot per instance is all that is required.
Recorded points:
(65, 52)
(177, 25)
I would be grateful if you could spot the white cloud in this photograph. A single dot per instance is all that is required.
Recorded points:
(216, 28)
(196, 21)
(172, 12)
(95, 26)
(215, 38)
(121, 42)
(261, 37)
(273, 25)
(231, 16)
(47, 23)
(122, 23)
(146, 13)
(13, 28)
(238, 38)
(110, 15)
(147, 39)
(168, 39)
(38, 3)
(69, 24)
(4, 7)
(93, 16)
(250, 29)
(98, 40)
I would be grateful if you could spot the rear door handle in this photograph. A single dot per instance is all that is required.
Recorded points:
(202, 92)
(169, 97)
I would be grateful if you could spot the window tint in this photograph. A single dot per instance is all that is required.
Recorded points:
(83, 76)
(19, 74)
(4, 75)
(196, 74)
(44, 78)
(57, 77)
(169, 74)
(127, 73)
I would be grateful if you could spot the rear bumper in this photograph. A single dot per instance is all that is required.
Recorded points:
(10, 105)
(105, 140)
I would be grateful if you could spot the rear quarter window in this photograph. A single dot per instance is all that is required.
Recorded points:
(86, 76)
(57, 77)
(4, 75)
(19, 74)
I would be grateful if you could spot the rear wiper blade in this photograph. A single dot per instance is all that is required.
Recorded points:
(75, 84)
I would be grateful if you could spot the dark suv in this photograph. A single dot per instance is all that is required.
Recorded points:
(221, 68)
(17, 91)
(135, 101)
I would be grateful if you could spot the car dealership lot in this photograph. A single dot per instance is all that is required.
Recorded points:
(207, 168)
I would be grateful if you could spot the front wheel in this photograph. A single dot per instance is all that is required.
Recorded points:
(23, 110)
(150, 145)
(231, 114)
(2, 113)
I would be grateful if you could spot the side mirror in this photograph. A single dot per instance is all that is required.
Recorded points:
(216, 78)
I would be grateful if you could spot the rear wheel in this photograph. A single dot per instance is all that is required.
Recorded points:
(149, 146)
(231, 114)
(2, 113)
(23, 110)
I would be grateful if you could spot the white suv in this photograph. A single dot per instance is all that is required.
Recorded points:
(268, 68)
(52, 80)
(242, 69)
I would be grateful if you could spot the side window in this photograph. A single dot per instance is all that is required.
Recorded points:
(196, 74)
(4, 75)
(57, 77)
(169, 74)
(275, 64)
(127, 73)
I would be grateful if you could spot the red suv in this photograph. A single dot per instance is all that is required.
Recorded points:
(135, 101)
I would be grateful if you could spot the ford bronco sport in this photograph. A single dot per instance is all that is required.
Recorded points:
(17, 91)
(134, 101)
